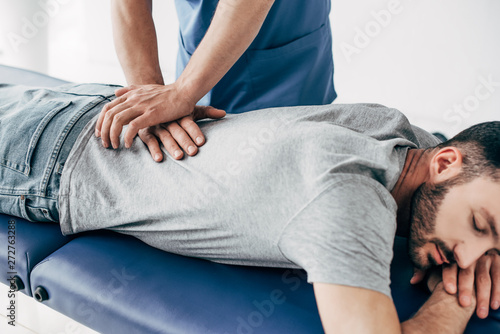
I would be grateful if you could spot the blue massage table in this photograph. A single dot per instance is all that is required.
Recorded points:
(114, 283)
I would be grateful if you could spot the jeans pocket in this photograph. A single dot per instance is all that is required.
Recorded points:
(39, 215)
(21, 125)
(34, 211)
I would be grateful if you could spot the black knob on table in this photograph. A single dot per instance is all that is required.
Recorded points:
(41, 294)
(16, 283)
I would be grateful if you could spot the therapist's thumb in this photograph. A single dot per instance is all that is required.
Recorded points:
(208, 112)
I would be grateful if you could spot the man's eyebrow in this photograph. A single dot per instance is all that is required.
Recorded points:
(491, 222)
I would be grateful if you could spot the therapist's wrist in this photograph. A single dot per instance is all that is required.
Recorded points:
(176, 100)
(189, 90)
(145, 76)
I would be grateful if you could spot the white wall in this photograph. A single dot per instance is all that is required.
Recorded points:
(429, 61)
(437, 61)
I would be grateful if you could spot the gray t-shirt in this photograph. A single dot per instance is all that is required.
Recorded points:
(300, 187)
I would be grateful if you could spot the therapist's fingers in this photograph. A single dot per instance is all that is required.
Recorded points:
(483, 286)
(138, 121)
(98, 126)
(168, 141)
(151, 141)
(119, 93)
(192, 129)
(189, 125)
(113, 123)
(107, 107)
(450, 275)
(182, 138)
(466, 285)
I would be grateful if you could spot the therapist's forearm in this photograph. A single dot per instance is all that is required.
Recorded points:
(135, 41)
(441, 313)
(234, 26)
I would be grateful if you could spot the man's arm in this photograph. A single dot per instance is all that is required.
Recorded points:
(135, 41)
(234, 26)
(345, 309)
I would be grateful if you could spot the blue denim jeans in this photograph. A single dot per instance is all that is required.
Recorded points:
(38, 127)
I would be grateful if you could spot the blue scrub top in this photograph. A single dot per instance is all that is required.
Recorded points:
(289, 63)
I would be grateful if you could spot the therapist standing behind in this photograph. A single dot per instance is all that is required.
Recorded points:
(236, 55)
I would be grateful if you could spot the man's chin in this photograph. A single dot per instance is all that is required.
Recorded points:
(419, 260)
(419, 264)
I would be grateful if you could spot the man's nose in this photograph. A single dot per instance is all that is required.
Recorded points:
(466, 257)
(464, 262)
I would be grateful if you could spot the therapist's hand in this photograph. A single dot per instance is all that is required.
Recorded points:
(183, 133)
(485, 273)
(140, 107)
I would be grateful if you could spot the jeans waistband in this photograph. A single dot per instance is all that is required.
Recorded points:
(40, 145)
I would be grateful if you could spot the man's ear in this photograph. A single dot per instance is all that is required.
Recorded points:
(445, 164)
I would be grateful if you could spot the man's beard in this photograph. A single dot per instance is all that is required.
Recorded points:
(425, 204)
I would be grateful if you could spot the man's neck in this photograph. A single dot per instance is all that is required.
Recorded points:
(415, 172)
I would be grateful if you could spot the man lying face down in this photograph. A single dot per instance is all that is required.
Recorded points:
(322, 188)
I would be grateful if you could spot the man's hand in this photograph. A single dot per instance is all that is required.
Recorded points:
(441, 313)
(485, 273)
(140, 107)
(184, 132)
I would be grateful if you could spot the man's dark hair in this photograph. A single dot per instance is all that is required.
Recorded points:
(480, 148)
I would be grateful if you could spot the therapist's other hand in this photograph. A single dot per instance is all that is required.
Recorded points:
(183, 133)
(140, 107)
(485, 273)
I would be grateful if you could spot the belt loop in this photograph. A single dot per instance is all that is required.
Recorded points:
(59, 168)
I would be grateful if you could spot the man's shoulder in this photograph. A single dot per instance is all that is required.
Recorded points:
(349, 202)
(344, 235)
(373, 120)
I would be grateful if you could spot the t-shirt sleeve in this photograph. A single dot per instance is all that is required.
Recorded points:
(345, 235)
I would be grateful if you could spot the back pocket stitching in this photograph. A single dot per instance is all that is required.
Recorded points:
(26, 168)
